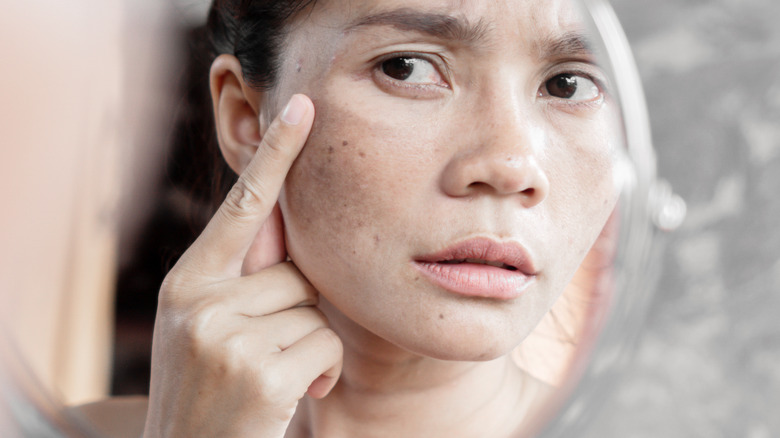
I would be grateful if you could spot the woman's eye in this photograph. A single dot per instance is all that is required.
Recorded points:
(572, 87)
(411, 70)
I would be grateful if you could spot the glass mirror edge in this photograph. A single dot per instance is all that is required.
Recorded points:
(637, 263)
(28, 407)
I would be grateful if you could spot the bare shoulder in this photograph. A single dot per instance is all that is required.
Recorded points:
(115, 417)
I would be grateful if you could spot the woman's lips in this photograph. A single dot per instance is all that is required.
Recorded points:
(480, 268)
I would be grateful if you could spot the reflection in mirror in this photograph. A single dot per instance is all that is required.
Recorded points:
(422, 240)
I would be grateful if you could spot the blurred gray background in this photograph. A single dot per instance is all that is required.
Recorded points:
(708, 363)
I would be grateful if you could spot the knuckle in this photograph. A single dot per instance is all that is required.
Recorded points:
(274, 142)
(244, 200)
(308, 315)
(331, 340)
(271, 383)
(233, 352)
(198, 325)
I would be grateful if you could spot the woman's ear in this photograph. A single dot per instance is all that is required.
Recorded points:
(236, 112)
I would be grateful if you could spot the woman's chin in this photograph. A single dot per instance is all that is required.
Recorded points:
(459, 348)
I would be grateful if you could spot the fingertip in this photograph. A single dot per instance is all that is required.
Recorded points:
(296, 110)
(321, 386)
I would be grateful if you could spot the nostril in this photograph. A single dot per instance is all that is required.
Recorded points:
(506, 188)
(477, 186)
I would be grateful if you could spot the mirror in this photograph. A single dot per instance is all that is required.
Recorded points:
(594, 165)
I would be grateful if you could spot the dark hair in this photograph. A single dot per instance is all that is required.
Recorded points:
(252, 31)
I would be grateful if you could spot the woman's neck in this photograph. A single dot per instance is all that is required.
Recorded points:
(385, 391)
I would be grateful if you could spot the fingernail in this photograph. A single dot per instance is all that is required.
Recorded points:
(294, 111)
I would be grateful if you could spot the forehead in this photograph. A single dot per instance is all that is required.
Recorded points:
(520, 19)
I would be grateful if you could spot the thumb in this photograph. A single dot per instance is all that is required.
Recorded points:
(268, 247)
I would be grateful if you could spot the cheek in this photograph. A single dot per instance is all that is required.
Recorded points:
(584, 193)
(350, 189)
(328, 187)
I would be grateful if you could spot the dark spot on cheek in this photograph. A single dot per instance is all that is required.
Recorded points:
(441, 316)
(377, 239)
(330, 149)
(416, 278)
(345, 143)
(362, 154)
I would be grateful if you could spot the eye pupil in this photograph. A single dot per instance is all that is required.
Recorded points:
(398, 68)
(563, 86)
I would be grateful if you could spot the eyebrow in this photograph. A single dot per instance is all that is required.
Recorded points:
(442, 26)
(568, 44)
(451, 28)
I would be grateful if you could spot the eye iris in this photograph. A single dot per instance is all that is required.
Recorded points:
(563, 86)
(398, 68)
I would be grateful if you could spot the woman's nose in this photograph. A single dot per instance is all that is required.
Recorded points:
(499, 159)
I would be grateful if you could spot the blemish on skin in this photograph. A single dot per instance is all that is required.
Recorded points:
(416, 278)
(441, 316)
(298, 66)
(330, 149)
(345, 143)
(362, 154)
(376, 238)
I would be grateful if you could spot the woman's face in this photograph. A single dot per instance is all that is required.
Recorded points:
(448, 134)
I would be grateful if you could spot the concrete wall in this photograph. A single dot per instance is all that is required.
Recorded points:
(708, 364)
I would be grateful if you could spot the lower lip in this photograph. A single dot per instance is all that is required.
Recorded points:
(477, 280)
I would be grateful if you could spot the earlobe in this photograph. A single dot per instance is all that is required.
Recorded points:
(236, 112)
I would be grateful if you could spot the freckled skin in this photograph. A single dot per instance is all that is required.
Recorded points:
(356, 215)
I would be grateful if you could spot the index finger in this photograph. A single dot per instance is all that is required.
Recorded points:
(227, 237)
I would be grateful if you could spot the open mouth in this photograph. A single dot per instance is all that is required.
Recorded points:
(497, 264)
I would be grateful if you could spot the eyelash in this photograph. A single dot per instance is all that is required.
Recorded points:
(436, 61)
(574, 71)
(443, 72)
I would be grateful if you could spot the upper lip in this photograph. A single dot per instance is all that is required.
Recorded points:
(486, 250)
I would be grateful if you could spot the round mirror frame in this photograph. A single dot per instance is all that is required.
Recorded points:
(647, 206)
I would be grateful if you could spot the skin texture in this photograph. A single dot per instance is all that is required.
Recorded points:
(389, 172)
(385, 178)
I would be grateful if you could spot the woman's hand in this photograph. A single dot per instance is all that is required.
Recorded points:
(238, 340)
